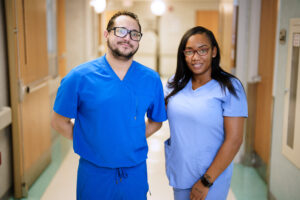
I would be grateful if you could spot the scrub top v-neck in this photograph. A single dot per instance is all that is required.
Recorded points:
(109, 113)
(113, 73)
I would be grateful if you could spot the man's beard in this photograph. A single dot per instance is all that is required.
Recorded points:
(120, 55)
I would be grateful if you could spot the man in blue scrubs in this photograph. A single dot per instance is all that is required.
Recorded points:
(109, 97)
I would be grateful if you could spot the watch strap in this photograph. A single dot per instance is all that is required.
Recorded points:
(205, 180)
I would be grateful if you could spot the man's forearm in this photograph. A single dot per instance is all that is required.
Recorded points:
(152, 127)
(62, 125)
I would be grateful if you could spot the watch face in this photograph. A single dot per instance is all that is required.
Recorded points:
(205, 181)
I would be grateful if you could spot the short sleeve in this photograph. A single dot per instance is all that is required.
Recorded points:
(167, 89)
(67, 95)
(157, 110)
(236, 106)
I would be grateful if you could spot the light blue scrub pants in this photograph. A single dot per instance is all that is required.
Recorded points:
(126, 183)
(181, 194)
(184, 194)
(218, 191)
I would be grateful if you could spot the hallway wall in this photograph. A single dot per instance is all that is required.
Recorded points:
(81, 38)
(284, 176)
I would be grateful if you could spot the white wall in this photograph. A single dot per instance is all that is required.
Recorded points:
(247, 51)
(51, 37)
(284, 176)
(81, 39)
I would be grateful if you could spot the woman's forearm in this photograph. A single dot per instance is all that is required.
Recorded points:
(233, 140)
(223, 158)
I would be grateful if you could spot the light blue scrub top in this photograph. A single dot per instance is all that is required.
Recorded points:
(197, 132)
(109, 113)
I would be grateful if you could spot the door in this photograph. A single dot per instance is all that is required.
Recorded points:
(28, 72)
(221, 23)
(264, 99)
(209, 19)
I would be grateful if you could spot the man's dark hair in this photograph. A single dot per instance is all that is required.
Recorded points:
(111, 22)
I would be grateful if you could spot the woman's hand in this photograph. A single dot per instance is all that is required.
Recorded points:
(199, 191)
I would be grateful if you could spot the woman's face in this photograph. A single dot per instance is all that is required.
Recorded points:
(198, 55)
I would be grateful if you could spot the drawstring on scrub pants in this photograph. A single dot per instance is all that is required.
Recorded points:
(120, 173)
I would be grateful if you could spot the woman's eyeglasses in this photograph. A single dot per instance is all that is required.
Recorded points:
(122, 32)
(200, 52)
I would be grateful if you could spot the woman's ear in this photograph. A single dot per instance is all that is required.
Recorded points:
(214, 52)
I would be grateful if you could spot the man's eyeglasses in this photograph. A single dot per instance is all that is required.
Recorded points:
(122, 32)
(200, 52)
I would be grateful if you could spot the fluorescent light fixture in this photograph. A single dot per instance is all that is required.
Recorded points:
(99, 5)
(158, 7)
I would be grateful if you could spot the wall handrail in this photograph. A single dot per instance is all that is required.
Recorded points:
(5, 117)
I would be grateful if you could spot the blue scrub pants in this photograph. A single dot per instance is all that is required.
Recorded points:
(126, 183)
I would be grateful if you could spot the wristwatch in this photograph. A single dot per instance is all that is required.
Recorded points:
(205, 180)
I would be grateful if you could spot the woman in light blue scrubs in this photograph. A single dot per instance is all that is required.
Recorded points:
(206, 107)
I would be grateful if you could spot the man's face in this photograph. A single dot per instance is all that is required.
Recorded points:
(123, 48)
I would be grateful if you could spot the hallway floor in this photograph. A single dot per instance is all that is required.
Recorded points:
(59, 179)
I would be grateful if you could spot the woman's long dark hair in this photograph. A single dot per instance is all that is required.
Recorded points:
(183, 74)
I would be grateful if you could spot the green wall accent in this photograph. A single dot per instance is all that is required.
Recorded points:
(284, 180)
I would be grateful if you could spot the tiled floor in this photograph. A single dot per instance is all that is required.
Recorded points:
(59, 179)
(247, 185)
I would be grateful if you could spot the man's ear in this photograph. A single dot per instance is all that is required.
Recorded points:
(105, 34)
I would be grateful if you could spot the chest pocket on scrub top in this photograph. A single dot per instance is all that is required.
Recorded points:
(143, 102)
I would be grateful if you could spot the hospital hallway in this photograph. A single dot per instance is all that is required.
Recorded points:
(58, 181)
(41, 41)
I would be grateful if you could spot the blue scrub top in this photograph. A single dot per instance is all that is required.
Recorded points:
(109, 113)
(196, 120)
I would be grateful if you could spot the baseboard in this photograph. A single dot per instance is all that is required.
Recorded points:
(270, 195)
(7, 194)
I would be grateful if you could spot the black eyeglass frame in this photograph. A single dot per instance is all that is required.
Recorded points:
(128, 32)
